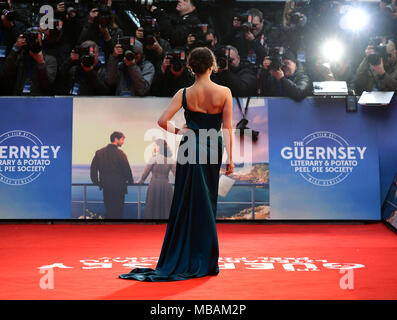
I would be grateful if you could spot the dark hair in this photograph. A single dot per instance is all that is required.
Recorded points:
(115, 135)
(256, 13)
(201, 59)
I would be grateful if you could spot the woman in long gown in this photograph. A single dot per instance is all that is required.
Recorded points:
(190, 248)
(159, 193)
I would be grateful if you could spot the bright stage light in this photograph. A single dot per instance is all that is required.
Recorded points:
(355, 19)
(332, 50)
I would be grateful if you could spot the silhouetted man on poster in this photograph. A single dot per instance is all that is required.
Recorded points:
(114, 175)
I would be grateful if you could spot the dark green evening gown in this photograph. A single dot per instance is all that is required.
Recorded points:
(190, 248)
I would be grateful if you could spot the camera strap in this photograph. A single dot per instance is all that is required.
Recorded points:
(246, 106)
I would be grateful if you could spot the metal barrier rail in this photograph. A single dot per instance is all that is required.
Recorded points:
(139, 202)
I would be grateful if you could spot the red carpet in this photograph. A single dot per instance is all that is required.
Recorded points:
(95, 254)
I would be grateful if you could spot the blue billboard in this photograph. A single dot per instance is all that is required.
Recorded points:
(35, 158)
(323, 161)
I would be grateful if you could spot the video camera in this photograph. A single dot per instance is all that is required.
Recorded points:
(177, 59)
(380, 51)
(199, 32)
(127, 43)
(276, 57)
(86, 55)
(31, 36)
(222, 55)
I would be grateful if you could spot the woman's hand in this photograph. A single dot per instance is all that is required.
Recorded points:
(229, 168)
(184, 129)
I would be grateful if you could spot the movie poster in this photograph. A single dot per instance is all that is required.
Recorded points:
(94, 120)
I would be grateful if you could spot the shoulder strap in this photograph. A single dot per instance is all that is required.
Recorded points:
(184, 103)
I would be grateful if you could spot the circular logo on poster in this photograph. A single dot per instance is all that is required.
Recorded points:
(23, 157)
(323, 158)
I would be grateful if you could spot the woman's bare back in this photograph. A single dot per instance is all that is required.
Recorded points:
(206, 97)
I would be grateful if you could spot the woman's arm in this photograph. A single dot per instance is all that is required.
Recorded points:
(227, 130)
(173, 107)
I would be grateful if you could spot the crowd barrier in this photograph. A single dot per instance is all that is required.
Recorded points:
(312, 160)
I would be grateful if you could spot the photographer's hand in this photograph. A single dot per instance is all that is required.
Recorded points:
(249, 36)
(166, 64)
(190, 40)
(369, 50)
(74, 56)
(61, 7)
(105, 32)
(38, 57)
(278, 75)
(379, 68)
(155, 47)
(93, 14)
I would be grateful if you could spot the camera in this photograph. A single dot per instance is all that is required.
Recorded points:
(31, 36)
(246, 22)
(149, 26)
(199, 32)
(242, 125)
(86, 54)
(276, 58)
(380, 51)
(177, 59)
(222, 55)
(127, 43)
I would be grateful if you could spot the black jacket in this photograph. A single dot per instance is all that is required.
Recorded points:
(166, 84)
(176, 28)
(110, 168)
(297, 87)
(91, 83)
(18, 66)
(242, 81)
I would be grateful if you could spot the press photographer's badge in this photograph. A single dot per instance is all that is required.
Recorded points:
(3, 51)
(27, 87)
(75, 89)
(102, 58)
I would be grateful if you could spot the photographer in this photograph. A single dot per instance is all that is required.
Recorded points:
(154, 46)
(83, 74)
(28, 69)
(378, 70)
(176, 27)
(101, 29)
(239, 77)
(283, 75)
(10, 28)
(133, 76)
(173, 74)
(250, 37)
(71, 26)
